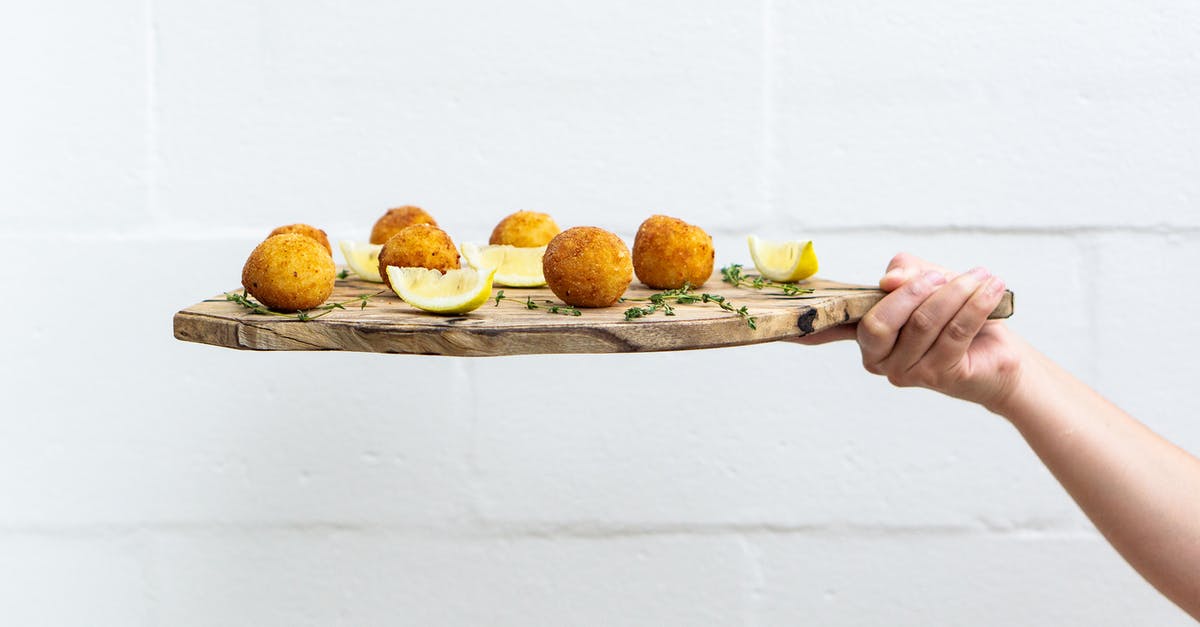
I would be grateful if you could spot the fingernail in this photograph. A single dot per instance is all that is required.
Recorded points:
(980, 273)
(934, 277)
(995, 286)
(894, 274)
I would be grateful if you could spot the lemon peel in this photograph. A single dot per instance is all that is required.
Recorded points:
(363, 259)
(785, 262)
(455, 292)
(515, 266)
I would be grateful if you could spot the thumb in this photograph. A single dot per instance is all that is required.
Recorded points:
(897, 276)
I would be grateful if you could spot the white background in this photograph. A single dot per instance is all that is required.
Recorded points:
(146, 146)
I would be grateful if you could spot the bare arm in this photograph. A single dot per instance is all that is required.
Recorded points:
(1141, 491)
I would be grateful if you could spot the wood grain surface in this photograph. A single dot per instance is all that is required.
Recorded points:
(389, 325)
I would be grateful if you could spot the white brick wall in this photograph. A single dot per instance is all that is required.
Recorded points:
(148, 145)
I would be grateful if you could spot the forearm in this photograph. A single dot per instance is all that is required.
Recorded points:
(1141, 491)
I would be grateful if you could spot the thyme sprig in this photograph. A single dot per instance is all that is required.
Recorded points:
(735, 276)
(244, 300)
(666, 302)
(344, 273)
(550, 306)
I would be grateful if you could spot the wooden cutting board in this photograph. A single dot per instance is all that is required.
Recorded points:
(389, 325)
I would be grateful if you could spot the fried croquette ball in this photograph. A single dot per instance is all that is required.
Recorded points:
(587, 266)
(526, 229)
(668, 252)
(418, 246)
(396, 219)
(307, 230)
(289, 272)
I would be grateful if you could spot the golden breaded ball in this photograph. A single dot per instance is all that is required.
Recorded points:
(418, 246)
(397, 219)
(587, 266)
(289, 272)
(668, 252)
(526, 229)
(307, 230)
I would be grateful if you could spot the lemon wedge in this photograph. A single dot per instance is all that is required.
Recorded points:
(515, 267)
(363, 259)
(783, 261)
(455, 292)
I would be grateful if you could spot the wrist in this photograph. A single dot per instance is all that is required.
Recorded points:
(1017, 376)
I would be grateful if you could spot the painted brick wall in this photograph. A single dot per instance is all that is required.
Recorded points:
(148, 144)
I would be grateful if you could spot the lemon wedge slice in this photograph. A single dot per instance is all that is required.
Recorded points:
(783, 261)
(363, 259)
(515, 267)
(455, 292)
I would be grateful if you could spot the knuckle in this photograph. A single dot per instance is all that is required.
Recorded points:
(899, 379)
(916, 288)
(981, 301)
(872, 326)
(963, 286)
(872, 367)
(921, 322)
(959, 332)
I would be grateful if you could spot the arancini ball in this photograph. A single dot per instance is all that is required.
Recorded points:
(668, 253)
(396, 219)
(525, 229)
(289, 272)
(418, 246)
(305, 229)
(586, 266)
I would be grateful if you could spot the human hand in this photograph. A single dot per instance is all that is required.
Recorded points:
(931, 330)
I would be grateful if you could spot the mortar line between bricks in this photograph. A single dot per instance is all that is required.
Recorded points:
(1030, 531)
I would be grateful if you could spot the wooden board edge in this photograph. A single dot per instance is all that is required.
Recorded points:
(203, 329)
(190, 326)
